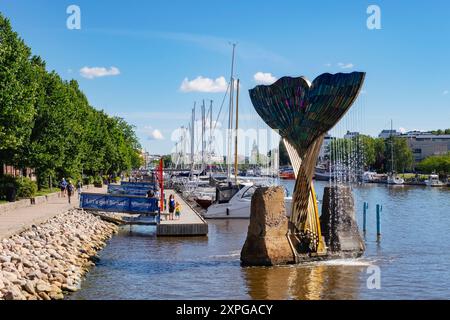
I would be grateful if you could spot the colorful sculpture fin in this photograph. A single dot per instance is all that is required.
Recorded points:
(302, 113)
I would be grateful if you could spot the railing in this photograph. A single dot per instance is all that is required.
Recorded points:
(119, 203)
(128, 190)
(148, 185)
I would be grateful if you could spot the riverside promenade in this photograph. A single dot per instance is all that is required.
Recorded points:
(17, 220)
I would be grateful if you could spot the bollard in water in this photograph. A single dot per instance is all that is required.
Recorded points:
(379, 209)
(366, 206)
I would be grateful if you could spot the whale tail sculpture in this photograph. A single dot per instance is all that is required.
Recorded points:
(302, 113)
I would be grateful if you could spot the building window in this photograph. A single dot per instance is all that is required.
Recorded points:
(417, 150)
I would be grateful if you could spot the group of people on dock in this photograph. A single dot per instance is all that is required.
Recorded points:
(174, 206)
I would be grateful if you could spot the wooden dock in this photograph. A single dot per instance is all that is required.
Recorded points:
(190, 223)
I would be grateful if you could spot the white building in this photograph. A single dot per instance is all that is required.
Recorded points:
(324, 149)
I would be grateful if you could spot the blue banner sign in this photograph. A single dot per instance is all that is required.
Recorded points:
(118, 203)
(148, 185)
(128, 190)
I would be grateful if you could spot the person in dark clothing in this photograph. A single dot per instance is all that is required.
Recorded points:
(70, 189)
(150, 194)
(171, 206)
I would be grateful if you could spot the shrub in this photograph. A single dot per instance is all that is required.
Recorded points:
(88, 180)
(26, 188)
(7, 182)
(98, 182)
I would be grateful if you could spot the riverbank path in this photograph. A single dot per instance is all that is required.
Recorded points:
(18, 220)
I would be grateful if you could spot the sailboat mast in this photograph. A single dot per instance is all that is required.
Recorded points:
(203, 135)
(192, 138)
(210, 136)
(392, 149)
(230, 116)
(236, 134)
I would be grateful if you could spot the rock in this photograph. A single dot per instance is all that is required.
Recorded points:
(29, 287)
(14, 293)
(267, 243)
(44, 296)
(36, 274)
(5, 259)
(338, 223)
(69, 288)
(56, 295)
(27, 264)
(10, 276)
(43, 287)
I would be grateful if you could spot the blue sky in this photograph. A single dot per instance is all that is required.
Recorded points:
(155, 45)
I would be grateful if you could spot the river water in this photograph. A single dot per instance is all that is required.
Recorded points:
(413, 258)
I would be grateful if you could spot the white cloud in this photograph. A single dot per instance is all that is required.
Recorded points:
(345, 65)
(445, 93)
(155, 135)
(327, 64)
(97, 72)
(201, 84)
(264, 78)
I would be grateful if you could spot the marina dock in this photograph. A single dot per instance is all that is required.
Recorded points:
(126, 209)
(189, 224)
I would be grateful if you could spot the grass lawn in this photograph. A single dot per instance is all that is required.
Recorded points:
(46, 191)
(409, 176)
(3, 201)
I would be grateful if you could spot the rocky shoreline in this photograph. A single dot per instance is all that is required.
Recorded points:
(47, 261)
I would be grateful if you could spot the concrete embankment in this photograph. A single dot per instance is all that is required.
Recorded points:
(49, 260)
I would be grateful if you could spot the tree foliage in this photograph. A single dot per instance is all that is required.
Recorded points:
(437, 164)
(373, 153)
(47, 123)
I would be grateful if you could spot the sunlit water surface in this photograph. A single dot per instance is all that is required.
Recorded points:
(413, 256)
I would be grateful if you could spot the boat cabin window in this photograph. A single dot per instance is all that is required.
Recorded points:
(249, 193)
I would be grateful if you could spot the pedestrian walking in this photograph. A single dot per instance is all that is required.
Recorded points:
(62, 187)
(79, 188)
(70, 189)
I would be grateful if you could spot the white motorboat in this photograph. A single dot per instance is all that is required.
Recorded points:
(433, 181)
(369, 176)
(394, 179)
(238, 205)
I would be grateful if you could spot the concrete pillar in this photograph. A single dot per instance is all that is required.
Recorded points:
(267, 243)
(338, 223)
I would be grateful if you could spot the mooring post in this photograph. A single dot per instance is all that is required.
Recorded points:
(366, 206)
(379, 209)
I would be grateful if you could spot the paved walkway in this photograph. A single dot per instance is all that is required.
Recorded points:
(188, 216)
(18, 220)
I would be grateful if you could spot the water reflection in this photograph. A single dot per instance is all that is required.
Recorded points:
(311, 282)
(413, 257)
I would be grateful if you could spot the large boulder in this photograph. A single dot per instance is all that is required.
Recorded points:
(267, 243)
(338, 223)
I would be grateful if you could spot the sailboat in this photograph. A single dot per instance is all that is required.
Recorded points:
(233, 198)
(393, 178)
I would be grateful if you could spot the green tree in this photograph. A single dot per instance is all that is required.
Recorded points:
(47, 123)
(17, 88)
(438, 164)
(380, 155)
(398, 155)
